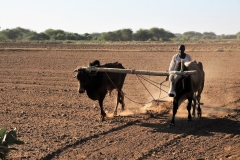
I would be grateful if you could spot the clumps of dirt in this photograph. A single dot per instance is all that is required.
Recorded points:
(158, 107)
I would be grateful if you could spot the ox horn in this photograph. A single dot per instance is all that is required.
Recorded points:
(76, 70)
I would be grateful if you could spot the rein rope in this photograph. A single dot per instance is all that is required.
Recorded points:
(152, 82)
(144, 86)
(146, 79)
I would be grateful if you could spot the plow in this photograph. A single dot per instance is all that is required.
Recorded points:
(138, 72)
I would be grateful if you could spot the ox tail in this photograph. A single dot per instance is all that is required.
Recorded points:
(203, 80)
(203, 74)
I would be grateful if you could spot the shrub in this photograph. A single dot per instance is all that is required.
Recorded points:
(7, 139)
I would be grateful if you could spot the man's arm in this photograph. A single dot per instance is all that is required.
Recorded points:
(189, 57)
(172, 64)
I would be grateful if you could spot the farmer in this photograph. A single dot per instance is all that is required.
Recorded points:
(178, 57)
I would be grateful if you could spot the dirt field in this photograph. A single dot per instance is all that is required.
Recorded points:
(38, 96)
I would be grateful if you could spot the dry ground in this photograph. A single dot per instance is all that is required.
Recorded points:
(38, 95)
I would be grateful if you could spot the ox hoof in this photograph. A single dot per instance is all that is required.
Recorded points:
(189, 120)
(171, 124)
(199, 115)
(151, 115)
(104, 114)
(101, 119)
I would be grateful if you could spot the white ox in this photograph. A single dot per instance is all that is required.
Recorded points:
(183, 86)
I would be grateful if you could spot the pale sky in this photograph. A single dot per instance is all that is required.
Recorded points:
(89, 16)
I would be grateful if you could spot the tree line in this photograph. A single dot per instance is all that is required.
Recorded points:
(152, 34)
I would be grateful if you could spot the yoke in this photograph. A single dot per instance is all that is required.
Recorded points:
(133, 71)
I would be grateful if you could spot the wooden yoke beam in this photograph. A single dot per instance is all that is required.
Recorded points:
(133, 71)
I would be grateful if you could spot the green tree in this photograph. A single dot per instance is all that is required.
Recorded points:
(109, 36)
(192, 35)
(168, 36)
(142, 35)
(60, 36)
(118, 35)
(209, 35)
(43, 36)
(126, 34)
(158, 33)
(70, 36)
(15, 33)
(53, 33)
(36, 36)
(10, 34)
(233, 36)
(87, 36)
(238, 35)
(96, 36)
(73, 36)
(123, 35)
(2, 37)
(31, 36)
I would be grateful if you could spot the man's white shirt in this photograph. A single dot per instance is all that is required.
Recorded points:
(176, 58)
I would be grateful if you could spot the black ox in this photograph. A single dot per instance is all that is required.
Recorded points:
(97, 84)
(188, 87)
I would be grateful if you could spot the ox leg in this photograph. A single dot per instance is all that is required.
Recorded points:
(103, 114)
(175, 107)
(189, 108)
(194, 106)
(199, 110)
(120, 99)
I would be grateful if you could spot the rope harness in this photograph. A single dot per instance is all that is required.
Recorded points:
(149, 81)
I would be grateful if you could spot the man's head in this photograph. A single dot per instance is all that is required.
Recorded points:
(181, 48)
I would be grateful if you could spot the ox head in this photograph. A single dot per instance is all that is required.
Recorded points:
(176, 82)
(82, 77)
(85, 76)
(176, 79)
